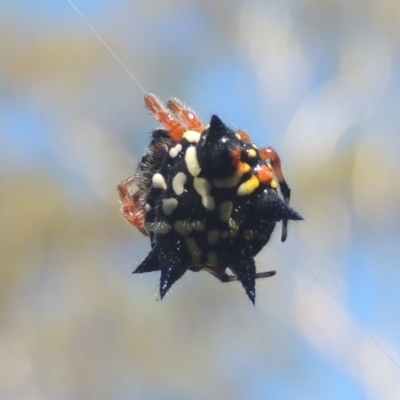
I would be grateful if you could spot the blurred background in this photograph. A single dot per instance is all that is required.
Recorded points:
(317, 80)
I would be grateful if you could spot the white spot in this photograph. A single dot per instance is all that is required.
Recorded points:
(203, 188)
(174, 151)
(159, 181)
(158, 227)
(238, 136)
(191, 161)
(234, 228)
(213, 236)
(208, 202)
(148, 207)
(162, 227)
(212, 258)
(194, 250)
(232, 223)
(225, 210)
(192, 136)
(198, 226)
(169, 206)
(183, 227)
(178, 183)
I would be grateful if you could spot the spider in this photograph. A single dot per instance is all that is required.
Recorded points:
(207, 198)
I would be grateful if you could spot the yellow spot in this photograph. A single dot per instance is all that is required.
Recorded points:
(248, 186)
(251, 153)
(273, 184)
(243, 168)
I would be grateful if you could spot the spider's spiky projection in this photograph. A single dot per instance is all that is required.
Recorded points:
(207, 198)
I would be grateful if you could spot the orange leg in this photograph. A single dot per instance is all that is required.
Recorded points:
(132, 213)
(167, 119)
(244, 136)
(187, 115)
(270, 154)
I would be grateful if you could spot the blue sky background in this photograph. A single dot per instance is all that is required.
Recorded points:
(317, 80)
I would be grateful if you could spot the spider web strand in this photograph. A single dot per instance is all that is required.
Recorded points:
(107, 46)
(354, 319)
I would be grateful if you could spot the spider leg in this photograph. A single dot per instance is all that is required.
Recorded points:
(167, 119)
(232, 278)
(132, 213)
(270, 154)
(244, 136)
(187, 115)
(265, 274)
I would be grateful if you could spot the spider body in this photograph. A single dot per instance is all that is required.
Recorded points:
(206, 197)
